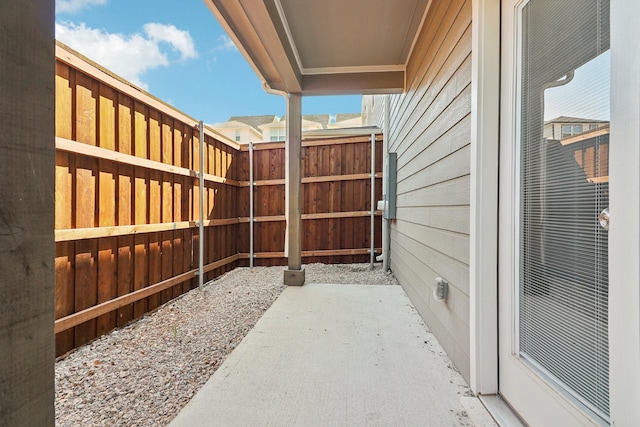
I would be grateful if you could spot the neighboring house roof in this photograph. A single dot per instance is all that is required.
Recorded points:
(568, 119)
(258, 122)
(231, 124)
(283, 123)
(347, 116)
(231, 128)
(340, 132)
(309, 121)
(347, 121)
(323, 119)
(255, 121)
(584, 136)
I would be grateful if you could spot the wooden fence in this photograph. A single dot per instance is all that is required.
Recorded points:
(127, 202)
(336, 200)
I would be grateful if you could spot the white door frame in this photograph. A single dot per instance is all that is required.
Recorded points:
(624, 232)
(483, 260)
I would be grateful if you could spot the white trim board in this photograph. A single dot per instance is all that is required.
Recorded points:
(485, 107)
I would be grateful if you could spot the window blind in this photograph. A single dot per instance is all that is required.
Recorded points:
(562, 249)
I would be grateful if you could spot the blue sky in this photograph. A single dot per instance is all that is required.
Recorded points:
(176, 50)
(587, 95)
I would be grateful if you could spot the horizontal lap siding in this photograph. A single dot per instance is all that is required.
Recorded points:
(430, 131)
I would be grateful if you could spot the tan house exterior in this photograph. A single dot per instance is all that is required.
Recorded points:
(277, 131)
(564, 127)
(342, 121)
(238, 131)
(245, 129)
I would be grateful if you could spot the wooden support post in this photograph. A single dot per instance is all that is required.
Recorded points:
(27, 252)
(294, 275)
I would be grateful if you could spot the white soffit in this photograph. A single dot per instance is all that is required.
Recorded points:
(322, 47)
(335, 36)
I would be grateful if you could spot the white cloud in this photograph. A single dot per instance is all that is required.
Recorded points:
(225, 43)
(179, 40)
(71, 6)
(129, 56)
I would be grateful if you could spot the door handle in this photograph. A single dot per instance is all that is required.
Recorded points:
(604, 219)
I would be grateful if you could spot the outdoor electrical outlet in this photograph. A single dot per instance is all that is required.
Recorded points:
(441, 291)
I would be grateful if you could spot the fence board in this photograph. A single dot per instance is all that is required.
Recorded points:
(107, 118)
(64, 101)
(347, 225)
(124, 127)
(167, 236)
(141, 272)
(210, 232)
(309, 168)
(258, 202)
(324, 194)
(276, 200)
(335, 168)
(107, 282)
(85, 288)
(107, 247)
(155, 209)
(176, 260)
(64, 295)
(85, 109)
(125, 277)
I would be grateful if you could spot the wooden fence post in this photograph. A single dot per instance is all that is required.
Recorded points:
(251, 219)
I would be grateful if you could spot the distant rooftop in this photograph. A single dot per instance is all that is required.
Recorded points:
(254, 121)
(347, 116)
(324, 119)
(568, 119)
(265, 128)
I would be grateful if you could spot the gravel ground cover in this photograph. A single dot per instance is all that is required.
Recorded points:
(144, 373)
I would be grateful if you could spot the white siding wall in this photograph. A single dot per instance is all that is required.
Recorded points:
(430, 131)
(373, 111)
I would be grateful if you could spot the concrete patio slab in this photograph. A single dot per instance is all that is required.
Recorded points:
(333, 355)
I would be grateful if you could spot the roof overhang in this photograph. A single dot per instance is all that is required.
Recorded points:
(325, 47)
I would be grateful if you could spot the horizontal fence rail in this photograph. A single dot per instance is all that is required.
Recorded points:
(127, 202)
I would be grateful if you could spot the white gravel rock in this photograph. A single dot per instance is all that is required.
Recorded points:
(144, 373)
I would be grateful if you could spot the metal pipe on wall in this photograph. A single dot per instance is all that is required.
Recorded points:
(201, 197)
(251, 205)
(386, 226)
(373, 199)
